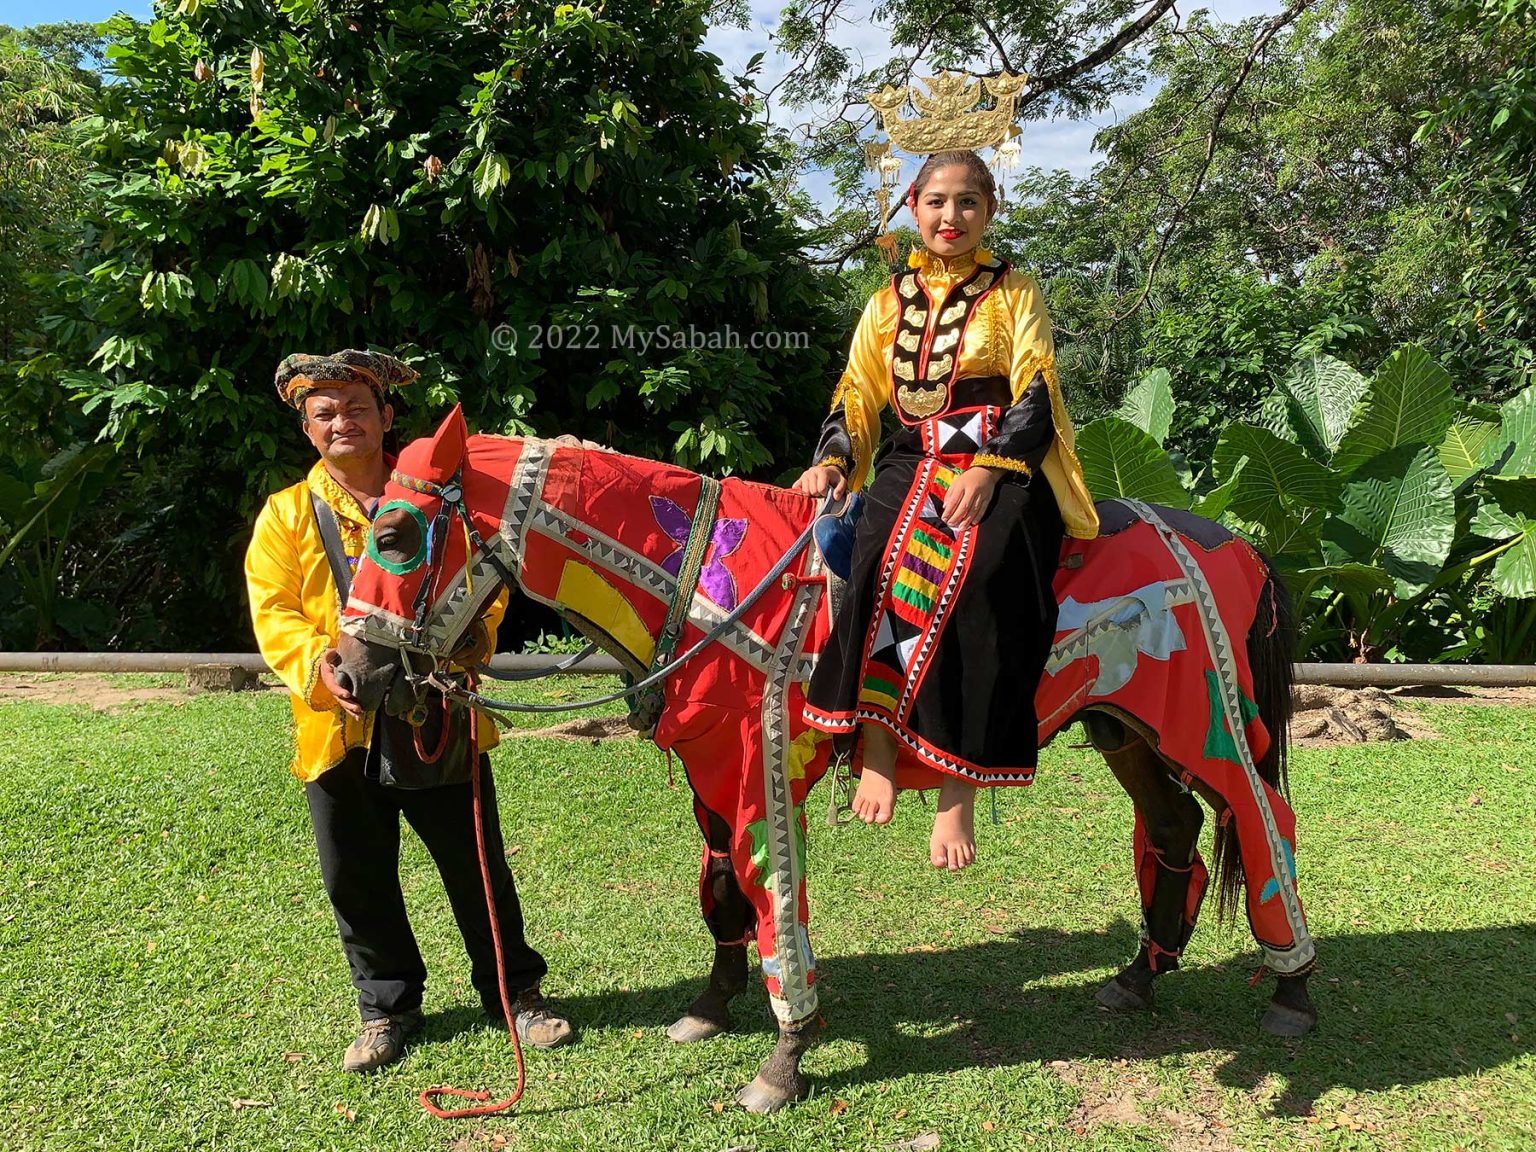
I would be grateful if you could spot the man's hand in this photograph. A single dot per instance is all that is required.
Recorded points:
(820, 480)
(968, 498)
(329, 662)
(476, 648)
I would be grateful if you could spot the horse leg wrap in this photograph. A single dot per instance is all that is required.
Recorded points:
(1171, 896)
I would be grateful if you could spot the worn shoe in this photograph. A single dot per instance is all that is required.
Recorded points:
(381, 1042)
(538, 1025)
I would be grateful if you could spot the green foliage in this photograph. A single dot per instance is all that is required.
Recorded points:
(1279, 488)
(1120, 459)
(1408, 403)
(1317, 226)
(1149, 404)
(1312, 405)
(1403, 527)
(558, 214)
(1488, 123)
(43, 88)
(1397, 512)
(41, 503)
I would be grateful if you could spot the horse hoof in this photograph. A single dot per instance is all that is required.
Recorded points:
(691, 1029)
(1117, 997)
(1283, 1020)
(762, 1097)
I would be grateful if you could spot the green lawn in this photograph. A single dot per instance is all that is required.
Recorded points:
(171, 977)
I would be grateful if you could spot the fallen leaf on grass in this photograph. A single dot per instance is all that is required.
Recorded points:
(236, 1105)
(922, 1142)
(838, 1107)
(988, 1126)
(346, 1112)
(294, 1057)
(718, 1106)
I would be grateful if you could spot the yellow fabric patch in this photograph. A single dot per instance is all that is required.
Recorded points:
(590, 596)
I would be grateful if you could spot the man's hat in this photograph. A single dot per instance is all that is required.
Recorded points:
(300, 374)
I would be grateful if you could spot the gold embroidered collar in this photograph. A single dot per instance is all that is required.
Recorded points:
(933, 266)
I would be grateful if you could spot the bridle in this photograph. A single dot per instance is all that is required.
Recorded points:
(450, 494)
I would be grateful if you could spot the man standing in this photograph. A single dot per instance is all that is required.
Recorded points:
(295, 610)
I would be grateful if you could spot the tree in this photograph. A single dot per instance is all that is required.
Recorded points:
(1080, 54)
(43, 89)
(1489, 126)
(557, 213)
(1276, 194)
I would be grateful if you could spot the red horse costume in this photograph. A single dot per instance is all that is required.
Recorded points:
(1152, 622)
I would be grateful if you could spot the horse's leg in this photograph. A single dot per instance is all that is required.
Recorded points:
(730, 920)
(784, 946)
(769, 855)
(1169, 871)
(1291, 1011)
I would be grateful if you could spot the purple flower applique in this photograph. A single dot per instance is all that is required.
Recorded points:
(718, 584)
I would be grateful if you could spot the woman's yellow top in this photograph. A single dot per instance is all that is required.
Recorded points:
(1009, 336)
(295, 613)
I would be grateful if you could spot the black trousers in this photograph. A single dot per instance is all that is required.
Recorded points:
(357, 832)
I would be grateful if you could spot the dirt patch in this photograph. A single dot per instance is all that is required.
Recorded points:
(1497, 697)
(1121, 1097)
(591, 729)
(1327, 717)
(101, 693)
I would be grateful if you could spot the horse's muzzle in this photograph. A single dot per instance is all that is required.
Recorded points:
(371, 672)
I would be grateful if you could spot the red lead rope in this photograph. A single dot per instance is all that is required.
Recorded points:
(429, 1097)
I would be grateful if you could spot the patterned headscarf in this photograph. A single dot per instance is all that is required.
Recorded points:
(300, 374)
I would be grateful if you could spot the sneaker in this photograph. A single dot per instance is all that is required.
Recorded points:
(381, 1042)
(539, 1025)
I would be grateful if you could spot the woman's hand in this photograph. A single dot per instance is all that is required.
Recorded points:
(969, 497)
(821, 479)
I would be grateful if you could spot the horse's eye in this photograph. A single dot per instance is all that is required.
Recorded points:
(385, 540)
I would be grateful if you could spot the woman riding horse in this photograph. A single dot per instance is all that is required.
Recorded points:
(943, 637)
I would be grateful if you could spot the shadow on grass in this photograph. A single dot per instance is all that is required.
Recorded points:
(1397, 1008)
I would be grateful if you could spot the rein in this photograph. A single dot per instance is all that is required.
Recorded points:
(451, 494)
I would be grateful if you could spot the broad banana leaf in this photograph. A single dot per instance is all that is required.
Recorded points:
(1408, 401)
(1399, 512)
(1120, 459)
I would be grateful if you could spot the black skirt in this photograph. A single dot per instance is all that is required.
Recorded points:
(942, 637)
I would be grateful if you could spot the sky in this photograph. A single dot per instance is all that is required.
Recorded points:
(1054, 144)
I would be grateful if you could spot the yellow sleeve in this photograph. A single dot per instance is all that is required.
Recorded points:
(865, 387)
(289, 641)
(478, 644)
(1034, 350)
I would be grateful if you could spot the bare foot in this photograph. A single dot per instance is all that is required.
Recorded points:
(953, 843)
(875, 800)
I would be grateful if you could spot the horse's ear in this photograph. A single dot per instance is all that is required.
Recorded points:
(448, 444)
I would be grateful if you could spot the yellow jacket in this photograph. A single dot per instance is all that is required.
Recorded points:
(295, 612)
(1009, 335)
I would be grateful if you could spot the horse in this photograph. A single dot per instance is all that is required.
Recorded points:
(1173, 647)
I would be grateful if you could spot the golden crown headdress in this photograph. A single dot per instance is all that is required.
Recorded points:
(949, 115)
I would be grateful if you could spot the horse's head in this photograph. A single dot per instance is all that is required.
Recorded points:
(413, 596)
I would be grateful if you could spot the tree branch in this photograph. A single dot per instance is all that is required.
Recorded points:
(1254, 52)
(1041, 85)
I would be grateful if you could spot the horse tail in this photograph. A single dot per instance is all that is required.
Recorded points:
(1271, 655)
